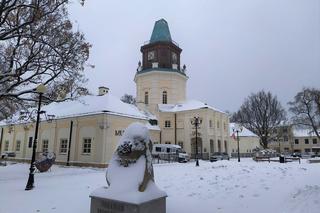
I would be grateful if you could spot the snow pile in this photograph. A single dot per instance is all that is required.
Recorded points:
(130, 172)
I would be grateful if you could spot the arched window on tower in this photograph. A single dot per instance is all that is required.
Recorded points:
(146, 98)
(164, 97)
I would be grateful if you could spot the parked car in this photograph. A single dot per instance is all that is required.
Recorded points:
(219, 156)
(8, 154)
(296, 154)
(183, 157)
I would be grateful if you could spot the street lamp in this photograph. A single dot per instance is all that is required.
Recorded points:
(196, 121)
(237, 128)
(40, 89)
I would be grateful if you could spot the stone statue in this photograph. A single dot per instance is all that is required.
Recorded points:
(130, 177)
(135, 147)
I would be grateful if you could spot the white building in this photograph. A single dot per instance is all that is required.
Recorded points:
(248, 141)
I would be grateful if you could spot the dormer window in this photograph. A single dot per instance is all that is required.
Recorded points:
(174, 58)
(164, 97)
(151, 55)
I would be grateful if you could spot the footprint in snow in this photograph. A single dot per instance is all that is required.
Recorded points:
(255, 195)
(241, 196)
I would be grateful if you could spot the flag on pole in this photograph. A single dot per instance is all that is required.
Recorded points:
(233, 136)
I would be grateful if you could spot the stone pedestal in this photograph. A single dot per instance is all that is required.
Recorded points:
(106, 205)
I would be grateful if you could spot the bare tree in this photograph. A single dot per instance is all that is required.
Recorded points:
(261, 113)
(129, 99)
(306, 109)
(38, 45)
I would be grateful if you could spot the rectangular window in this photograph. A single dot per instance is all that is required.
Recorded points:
(45, 145)
(285, 138)
(296, 141)
(30, 142)
(146, 98)
(180, 143)
(18, 145)
(210, 123)
(306, 150)
(167, 142)
(218, 124)
(306, 141)
(63, 146)
(6, 146)
(314, 141)
(167, 124)
(158, 149)
(86, 149)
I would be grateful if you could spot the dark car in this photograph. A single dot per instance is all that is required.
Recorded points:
(219, 156)
(296, 154)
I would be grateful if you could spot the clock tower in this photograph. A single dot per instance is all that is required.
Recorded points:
(160, 79)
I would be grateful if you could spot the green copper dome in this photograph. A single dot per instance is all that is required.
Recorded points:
(160, 32)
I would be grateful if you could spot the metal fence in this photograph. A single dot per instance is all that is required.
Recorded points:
(165, 158)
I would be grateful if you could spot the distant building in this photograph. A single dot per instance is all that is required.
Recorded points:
(95, 123)
(296, 140)
(248, 141)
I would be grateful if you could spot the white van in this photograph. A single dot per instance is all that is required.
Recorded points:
(170, 150)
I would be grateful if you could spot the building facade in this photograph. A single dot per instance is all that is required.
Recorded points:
(161, 84)
(91, 126)
(248, 142)
(87, 131)
(296, 140)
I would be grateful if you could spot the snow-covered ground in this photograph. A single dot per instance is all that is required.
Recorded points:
(224, 186)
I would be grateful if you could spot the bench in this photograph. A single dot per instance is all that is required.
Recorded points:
(290, 159)
(261, 158)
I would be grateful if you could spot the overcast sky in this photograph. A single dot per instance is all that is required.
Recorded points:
(231, 47)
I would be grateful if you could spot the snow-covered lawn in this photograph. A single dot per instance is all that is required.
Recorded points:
(224, 186)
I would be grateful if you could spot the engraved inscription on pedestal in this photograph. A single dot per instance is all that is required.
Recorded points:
(110, 207)
(101, 205)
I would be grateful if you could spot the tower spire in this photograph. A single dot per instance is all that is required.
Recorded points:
(160, 32)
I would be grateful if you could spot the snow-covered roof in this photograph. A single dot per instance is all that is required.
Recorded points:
(303, 133)
(151, 127)
(185, 106)
(90, 105)
(245, 132)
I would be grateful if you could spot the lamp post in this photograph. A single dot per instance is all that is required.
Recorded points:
(196, 121)
(237, 128)
(40, 89)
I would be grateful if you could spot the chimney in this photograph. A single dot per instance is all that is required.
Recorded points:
(103, 90)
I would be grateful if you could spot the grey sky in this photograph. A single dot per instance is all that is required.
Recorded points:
(231, 47)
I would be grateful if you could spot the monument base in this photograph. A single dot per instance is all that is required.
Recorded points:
(106, 205)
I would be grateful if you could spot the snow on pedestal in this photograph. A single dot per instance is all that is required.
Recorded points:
(130, 176)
